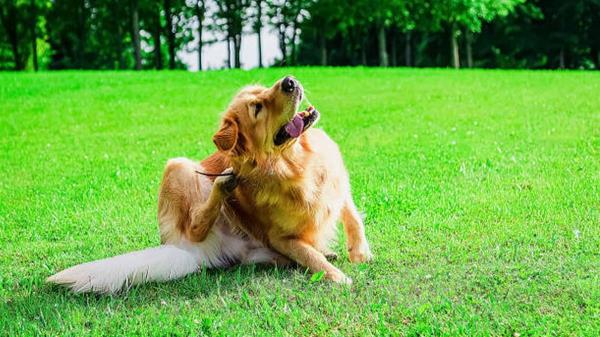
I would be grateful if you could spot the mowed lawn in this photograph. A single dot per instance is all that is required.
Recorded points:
(481, 191)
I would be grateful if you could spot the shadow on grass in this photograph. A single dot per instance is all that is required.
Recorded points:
(49, 306)
(200, 284)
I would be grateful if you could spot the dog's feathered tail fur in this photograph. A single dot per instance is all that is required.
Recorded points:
(120, 272)
(157, 264)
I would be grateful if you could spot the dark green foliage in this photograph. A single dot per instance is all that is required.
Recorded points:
(21, 25)
(507, 34)
(89, 34)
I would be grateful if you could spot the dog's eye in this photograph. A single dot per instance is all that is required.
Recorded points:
(257, 109)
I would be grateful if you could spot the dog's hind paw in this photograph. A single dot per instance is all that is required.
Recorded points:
(227, 183)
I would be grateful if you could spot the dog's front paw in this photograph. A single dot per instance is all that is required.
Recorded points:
(227, 183)
(360, 253)
(338, 277)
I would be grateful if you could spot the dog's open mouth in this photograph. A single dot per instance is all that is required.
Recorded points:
(295, 127)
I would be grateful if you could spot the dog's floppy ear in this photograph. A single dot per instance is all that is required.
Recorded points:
(226, 138)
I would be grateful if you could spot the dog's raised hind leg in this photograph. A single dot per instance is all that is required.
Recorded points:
(204, 215)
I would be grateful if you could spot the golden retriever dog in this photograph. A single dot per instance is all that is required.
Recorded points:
(282, 189)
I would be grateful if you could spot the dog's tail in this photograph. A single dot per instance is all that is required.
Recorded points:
(163, 263)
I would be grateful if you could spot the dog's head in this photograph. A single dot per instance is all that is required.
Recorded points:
(263, 120)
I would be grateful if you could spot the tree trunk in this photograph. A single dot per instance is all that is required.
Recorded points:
(418, 40)
(355, 46)
(34, 35)
(323, 47)
(295, 22)
(120, 60)
(237, 45)
(293, 53)
(282, 45)
(260, 57)
(14, 44)
(393, 49)
(156, 39)
(200, 11)
(34, 49)
(82, 15)
(228, 52)
(170, 33)
(595, 57)
(258, 29)
(408, 49)
(8, 20)
(454, 47)
(561, 58)
(135, 34)
(383, 56)
(349, 46)
(363, 52)
(469, 42)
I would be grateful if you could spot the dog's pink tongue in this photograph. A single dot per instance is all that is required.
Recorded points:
(295, 126)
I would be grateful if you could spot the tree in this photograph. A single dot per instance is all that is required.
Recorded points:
(568, 24)
(541, 34)
(155, 27)
(89, 34)
(85, 41)
(286, 16)
(170, 28)
(404, 18)
(594, 38)
(82, 22)
(469, 14)
(33, 24)
(109, 39)
(234, 13)
(382, 45)
(327, 13)
(200, 12)
(257, 25)
(11, 18)
(135, 33)
(381, 14)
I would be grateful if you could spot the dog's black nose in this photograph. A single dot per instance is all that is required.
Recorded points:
(288, 84)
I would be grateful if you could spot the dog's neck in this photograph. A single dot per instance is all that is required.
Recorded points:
(278, 166)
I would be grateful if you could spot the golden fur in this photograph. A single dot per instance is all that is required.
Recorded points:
(288, 197)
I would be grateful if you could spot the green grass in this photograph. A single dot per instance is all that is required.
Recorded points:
(481, 189)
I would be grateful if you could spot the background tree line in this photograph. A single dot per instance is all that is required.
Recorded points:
(149, 34)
